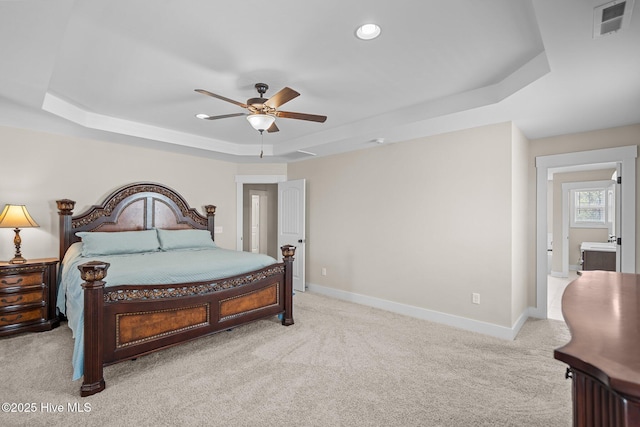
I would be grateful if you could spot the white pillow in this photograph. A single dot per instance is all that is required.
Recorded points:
(118, 242)
(185, 239)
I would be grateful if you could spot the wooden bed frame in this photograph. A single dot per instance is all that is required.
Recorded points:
(125, 322)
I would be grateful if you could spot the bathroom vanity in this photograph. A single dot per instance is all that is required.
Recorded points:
(598, 256)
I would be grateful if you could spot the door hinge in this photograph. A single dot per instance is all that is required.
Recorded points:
(619, 241)
(619, 180)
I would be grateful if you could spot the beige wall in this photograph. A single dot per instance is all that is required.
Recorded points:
(423, 223)
(261, 169)
(519, 216)
(594, 140)
(45, 167)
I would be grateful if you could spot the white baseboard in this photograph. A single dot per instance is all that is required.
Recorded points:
(561, 274)
(425, 314)
(537, 312)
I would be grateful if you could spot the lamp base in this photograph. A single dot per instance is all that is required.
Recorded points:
(17, 259)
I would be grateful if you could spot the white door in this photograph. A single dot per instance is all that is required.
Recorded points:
(291, 225)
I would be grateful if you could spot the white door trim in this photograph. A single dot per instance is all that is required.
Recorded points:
(249, 179)
(627, 157)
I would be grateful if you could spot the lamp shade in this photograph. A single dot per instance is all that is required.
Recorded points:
(16, 216)
(261, 122)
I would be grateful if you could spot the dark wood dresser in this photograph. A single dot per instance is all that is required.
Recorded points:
(602, 312)
(28, 296)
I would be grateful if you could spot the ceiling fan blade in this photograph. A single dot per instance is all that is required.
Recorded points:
(300, 116)
(273, 128)
(206, 92)
(285, 95)
(224, 116)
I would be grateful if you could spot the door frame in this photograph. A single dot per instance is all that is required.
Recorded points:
(626, 156)
(249, 179)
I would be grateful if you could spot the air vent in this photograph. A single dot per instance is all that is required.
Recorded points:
(299, 154)
(611, 17)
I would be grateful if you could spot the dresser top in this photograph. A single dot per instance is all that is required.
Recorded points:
(602, 312)
(35, 261)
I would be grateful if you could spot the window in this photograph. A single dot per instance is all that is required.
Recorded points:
(591, 207)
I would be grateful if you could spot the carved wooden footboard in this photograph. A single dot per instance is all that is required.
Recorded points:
(125, 322)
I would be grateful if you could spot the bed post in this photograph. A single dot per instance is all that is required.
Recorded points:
(92, 273)
(288, 251)
(211, 216)
(65, 210)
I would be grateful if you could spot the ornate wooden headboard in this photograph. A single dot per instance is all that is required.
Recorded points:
(137, 206)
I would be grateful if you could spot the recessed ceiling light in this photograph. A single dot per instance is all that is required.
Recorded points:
(368, 31)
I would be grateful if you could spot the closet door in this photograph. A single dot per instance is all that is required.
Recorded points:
(291, 225)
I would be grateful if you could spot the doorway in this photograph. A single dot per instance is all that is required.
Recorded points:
(242, 210)
(573, 221)
(289, 204)
(545, 167)
(260, 219)
(588, 215)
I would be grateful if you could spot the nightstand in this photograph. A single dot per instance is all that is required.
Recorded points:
(28, 296)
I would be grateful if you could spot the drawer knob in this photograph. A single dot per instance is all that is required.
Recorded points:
(5, 282)
(9, 301)
(568, 374)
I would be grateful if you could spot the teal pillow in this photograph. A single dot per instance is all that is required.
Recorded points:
(185, 239)
(118, 242)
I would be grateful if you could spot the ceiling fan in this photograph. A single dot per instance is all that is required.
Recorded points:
(263, 111)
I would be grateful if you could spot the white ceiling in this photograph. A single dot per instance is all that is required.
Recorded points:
(125, 71)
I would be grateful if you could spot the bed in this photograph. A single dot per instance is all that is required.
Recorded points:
(161, 292)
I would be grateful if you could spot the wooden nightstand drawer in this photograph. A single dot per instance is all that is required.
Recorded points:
(15, 280)
(18, 317)
(8, 300)
(28, 296)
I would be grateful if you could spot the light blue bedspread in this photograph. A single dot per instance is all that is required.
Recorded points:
(152, 268)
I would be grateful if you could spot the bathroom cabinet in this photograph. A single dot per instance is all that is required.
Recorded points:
(599, 260)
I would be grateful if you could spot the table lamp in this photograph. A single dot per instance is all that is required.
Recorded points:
(16, 217)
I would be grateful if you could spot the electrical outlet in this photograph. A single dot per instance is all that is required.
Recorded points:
(475, 298)
(324, 271)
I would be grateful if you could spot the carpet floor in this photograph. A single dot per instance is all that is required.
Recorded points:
(341, 364)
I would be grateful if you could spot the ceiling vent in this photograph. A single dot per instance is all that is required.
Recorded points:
(300, 154)
(611, 17)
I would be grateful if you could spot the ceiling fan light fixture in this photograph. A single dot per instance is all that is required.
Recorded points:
(202, 116)
(368, 31)
(261, 122)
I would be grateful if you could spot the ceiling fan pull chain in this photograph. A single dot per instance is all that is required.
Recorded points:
(261, 143)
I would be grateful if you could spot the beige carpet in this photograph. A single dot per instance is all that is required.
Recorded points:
(341, 364)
